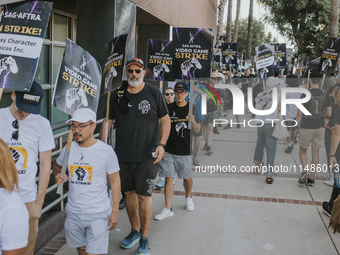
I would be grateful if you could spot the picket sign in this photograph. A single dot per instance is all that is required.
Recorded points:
(1, 91)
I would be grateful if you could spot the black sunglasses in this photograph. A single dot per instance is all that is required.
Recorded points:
(167, 94)
(138, 71)
(15, 134)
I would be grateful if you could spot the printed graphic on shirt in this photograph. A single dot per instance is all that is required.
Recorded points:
(81, 174)
(180, 128)
(20, 156)
(144, 106)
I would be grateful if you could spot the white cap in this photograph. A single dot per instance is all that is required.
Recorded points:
(83, 115)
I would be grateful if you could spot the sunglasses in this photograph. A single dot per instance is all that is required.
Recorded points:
(137, 71)
(167, 94)
(15, 134)
(215, 79)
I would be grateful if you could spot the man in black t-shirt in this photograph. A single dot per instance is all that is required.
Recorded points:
(177, 150)
(136, 107)
(312, 130)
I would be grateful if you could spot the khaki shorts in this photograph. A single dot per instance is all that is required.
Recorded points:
(316, 136)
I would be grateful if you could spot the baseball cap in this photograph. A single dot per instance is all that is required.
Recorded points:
(182, 86)
(83, 115)
(135, 61)
(30, 101)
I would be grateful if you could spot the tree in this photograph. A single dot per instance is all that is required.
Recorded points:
(269, 38)
(250, 23)
(220, 18)
(334, 19)
(237, 20)
(230, 8)
(304, 22)
(258, 35)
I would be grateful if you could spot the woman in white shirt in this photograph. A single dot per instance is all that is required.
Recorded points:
(13, 212)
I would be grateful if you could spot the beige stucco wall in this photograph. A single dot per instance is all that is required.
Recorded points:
(183, 13)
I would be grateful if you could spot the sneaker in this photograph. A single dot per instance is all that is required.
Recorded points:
(131, 239)
(325, 206)
(215, 131)
(189, 204)
(296, 140)
(238, 126)
(205, 147)
(289, 149)
(165, 213)
(144, 247)
(303, 177)
(227, 126)
(122, 204)
(160, 183)
(195, 161)
(329, 182)
(208, 150)
(310, 182)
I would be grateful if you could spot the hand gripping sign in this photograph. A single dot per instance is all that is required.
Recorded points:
(77, 86)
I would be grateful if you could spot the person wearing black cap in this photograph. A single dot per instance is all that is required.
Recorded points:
(30, 139)
(177, 151)
(136, 107)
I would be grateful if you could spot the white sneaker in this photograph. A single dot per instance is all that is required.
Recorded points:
(329, 182)
(160, 183)
(189, 204)
(165, 213)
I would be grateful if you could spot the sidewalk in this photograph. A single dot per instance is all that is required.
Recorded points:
(238, 213)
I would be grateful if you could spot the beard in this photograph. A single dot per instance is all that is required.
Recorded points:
(135, 83)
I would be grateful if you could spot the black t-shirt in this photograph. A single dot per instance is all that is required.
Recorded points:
(331, 119)
(137, 134)
(179, 139)
(309, 123)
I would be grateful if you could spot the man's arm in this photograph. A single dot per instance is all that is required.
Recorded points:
(328, 114)
(298, 120)
(196, 126)
(58, 178)
(164, 135)
(44, 175)
(115, 193)
(102, 130)
(334, 143)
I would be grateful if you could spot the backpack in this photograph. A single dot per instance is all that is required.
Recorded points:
(264, 99)
(315, 107)
(334, 222)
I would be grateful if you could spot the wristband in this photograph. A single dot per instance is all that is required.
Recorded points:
(161, 144)
(331, 155)
(326, 117)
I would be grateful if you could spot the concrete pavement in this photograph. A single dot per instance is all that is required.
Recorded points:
(238, 213)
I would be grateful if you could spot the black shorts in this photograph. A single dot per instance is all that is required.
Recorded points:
(200, 132)
(138, 176)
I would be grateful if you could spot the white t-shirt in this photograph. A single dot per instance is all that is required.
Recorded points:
(13, 221)
(88, 168)
(35, 135)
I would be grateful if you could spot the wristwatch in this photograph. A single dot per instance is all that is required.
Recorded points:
(161, 144)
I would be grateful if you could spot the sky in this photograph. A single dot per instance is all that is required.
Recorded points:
(258, 13)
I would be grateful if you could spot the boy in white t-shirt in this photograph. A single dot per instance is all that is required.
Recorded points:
(89, 216)
(30, 139)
